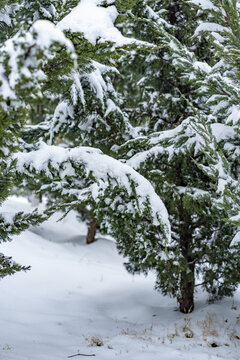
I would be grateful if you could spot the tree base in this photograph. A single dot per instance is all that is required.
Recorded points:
(186, 301)
(186, 308)
(91, 231)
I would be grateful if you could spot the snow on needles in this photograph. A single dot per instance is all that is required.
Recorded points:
(101, 167)
(204, 4)
(48, 33)
(22, 54)
(95, 22)
(209, 27)
(4, 15)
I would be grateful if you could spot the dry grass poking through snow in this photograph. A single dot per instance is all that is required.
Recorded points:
(94, 341)
(220, 329)
(203, 330)
(209, 326)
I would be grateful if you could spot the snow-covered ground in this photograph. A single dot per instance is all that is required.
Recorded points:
(77, 297)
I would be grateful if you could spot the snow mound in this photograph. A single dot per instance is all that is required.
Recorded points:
(78, 295)
(95, 22)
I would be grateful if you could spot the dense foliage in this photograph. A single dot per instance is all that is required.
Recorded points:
(185, 94)
(128, 112)
(80, 107)
(22, 75)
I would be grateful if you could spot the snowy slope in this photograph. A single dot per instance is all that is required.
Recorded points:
(76, 296)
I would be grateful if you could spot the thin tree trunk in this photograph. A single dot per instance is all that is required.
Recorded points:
(92, 228)
(186, 301)
(187, 291)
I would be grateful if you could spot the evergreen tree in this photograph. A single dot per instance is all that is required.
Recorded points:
(155, 83)
(22, 59)
(87, 112)
(220, 84)
(73, 174)
(171, 158)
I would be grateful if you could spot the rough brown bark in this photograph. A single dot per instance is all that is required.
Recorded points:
(92, 228)
(187, 291)
(186, 300)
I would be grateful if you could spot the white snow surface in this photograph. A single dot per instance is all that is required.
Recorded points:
(4, 15)
(48, 33)
(204, 4)
(95, 22)
(236, 239)
(209, 27)
(222, 131)
(77, 293)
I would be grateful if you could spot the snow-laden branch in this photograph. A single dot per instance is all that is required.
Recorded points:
(183, 138)
(85, 175)
(25, 54)
(96, 23)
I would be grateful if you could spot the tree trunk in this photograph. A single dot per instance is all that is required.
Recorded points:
(187, 291)
(92, 228)
(187, 283)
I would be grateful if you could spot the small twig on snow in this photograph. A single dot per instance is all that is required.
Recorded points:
(81, 355)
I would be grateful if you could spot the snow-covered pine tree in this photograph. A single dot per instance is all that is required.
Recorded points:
(22, 60)
(20, 15)
(87, 114)
(201, 240)
(156, 86)
(220, 86)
